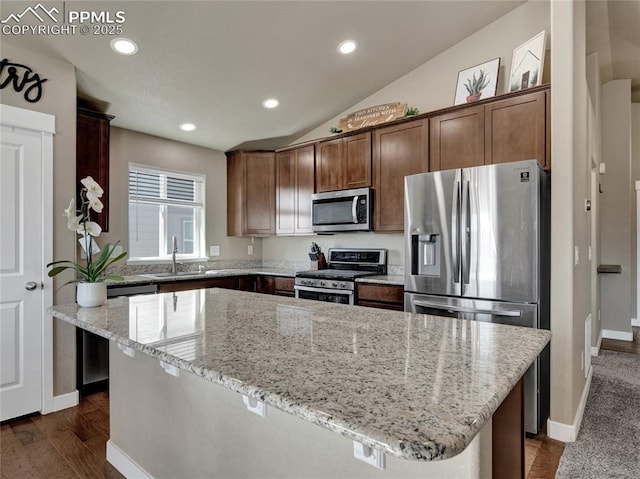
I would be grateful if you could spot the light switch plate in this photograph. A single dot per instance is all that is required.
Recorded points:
(250, 249)
(576, 256)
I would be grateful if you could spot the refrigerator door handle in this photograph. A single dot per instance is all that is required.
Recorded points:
(455, 228)
(465, 225)
(354, 209)
(462, 309)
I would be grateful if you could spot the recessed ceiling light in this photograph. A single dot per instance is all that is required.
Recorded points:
(270, 103)
(348, 46)
(124, 46)
(187, 127)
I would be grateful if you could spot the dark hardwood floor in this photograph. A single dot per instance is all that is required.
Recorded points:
(67, 444)
(624, 346)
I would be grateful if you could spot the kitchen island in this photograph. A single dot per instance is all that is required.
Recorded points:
(420, 390)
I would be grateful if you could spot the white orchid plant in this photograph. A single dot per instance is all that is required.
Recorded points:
(79, 220)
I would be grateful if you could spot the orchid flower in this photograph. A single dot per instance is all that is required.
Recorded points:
(71, 210)
(92, 187)
(92, 228)
(94, 203)
(74, 224)
(95, 270)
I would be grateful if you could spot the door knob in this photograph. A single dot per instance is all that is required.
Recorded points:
(30, 285)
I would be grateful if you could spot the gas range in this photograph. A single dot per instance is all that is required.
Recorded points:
(336, 283)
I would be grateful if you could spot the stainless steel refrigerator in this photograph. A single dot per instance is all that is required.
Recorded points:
(477, 247)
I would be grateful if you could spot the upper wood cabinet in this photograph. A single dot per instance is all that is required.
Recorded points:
(515, 129)
(497, 131)
(343, 163)
(250, 193)
(398, 151)
(92, 157)
(457, 139)
(295, 179)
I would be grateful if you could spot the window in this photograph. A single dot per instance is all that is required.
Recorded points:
(164, 204)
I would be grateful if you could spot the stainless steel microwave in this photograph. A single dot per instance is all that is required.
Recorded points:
(345, 210)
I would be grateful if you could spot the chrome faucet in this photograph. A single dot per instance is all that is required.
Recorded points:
(173, 255)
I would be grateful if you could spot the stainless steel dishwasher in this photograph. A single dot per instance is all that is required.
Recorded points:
(92, 365)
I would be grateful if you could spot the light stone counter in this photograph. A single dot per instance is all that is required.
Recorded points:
(212, 274)
(395, 280)
(416, 386)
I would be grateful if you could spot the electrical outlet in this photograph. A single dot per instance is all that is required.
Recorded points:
(214, 250)
(116, 251)
(582, 361)
(590, 254)
(576, 256)
(250, 249)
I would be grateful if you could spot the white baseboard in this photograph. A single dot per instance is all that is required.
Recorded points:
(620, 335)
(65, 401)
(635, 322)
(595, 350)
(124, 464)
(569, 432)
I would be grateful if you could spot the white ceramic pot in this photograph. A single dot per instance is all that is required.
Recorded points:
(90, 295)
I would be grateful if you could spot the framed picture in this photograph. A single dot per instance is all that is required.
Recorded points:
(527, 63)
(477, 82)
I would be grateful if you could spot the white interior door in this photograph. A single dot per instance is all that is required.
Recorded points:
(22, 270)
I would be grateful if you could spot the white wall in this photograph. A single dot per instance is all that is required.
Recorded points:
(128, 146)
(432, 85)
(616, 202)
(429, 87)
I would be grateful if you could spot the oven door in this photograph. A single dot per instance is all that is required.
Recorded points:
(324, 294)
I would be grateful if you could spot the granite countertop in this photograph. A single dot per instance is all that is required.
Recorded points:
(390, 279)
(210, 274)
(415, 386)
(223, 273)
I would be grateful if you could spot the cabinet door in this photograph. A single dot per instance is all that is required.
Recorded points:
(398, 151)
(457, 139)
(357, 161)
(265, 284)
(92, 157)
(304, 188)
(285, 192)
(235, 190)
(259, 193)
(329, 167)
(515, 129)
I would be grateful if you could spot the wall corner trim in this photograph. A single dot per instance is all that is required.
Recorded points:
(123, 463)
(65, 401)
(595, 350)
(569, 432)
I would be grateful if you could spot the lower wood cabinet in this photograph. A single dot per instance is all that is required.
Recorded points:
(383, 296)
(278, 285)
(244, 283)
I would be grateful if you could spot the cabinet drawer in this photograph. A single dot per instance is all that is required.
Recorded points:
(379, 293)
(284, 285)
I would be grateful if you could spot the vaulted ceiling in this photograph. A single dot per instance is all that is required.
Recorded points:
(214, 62)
